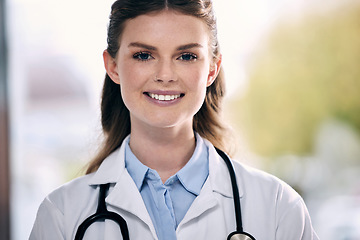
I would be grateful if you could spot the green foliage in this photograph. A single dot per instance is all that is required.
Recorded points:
(308, 72)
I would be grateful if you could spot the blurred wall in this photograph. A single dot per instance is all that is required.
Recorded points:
(300, 111)
(4, 133)
(273, 54)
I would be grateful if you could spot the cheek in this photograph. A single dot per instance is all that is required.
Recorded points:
(196, 78)
(128, 84)
(130, 75)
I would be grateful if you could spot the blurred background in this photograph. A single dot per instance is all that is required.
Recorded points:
(293, 99)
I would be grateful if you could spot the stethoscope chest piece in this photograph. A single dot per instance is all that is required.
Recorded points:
(240, 236)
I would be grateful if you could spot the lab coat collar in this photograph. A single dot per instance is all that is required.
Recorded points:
(113, 167)
(217, 171)
(125, 194)
(217, 183)
(110, 169)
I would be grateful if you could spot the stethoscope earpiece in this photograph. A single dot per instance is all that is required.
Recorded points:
(240, 236)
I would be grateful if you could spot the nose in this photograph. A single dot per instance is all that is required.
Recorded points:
(165, 71)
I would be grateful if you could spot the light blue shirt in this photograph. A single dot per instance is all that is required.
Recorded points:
(168, 203)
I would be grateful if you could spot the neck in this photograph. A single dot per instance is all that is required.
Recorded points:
(164, 150)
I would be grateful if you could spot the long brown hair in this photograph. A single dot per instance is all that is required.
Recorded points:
(115, 117)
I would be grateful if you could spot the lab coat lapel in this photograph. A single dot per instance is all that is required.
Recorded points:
(202, 203)
(219, 174)
(217, 183)
(124, 194)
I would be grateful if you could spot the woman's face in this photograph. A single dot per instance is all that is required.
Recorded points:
(163, 66)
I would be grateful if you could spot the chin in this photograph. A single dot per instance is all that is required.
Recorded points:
(171, 123)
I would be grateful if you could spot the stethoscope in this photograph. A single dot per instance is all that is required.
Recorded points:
(102, 213)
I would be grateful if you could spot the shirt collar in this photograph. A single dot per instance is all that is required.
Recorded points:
(192, 176)
(136, 169)
(114, 166)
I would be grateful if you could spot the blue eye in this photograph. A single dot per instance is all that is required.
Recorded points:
(142, 56)
(188, 57)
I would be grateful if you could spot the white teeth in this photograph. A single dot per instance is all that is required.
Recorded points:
(163, 97)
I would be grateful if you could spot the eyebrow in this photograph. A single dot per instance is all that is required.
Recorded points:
(189, 46)
(141, 45)
(152, 48)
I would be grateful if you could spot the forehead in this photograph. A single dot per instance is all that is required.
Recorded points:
(165, 27)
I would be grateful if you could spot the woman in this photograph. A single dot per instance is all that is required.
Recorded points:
(160, 114)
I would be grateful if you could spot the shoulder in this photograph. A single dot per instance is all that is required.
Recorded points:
(276, 200)
(61, 208)
(276, 197)
(73, 191)
(261, 183)
(81, 189)
(257, 176)
(252, 182)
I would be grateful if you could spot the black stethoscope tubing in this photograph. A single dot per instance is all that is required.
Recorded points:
(239, 234)
(102, 213)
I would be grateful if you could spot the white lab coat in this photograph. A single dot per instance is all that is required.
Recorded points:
(270, 208)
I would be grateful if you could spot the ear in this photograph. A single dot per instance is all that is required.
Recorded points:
(111, 67)
(214, 70)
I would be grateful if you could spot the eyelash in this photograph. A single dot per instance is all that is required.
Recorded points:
(146, 56)
(138, 56)
(193, 57)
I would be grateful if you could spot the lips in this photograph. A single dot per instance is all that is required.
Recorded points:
(164, 97)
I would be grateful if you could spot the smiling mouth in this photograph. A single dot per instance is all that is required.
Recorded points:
(164, 97)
